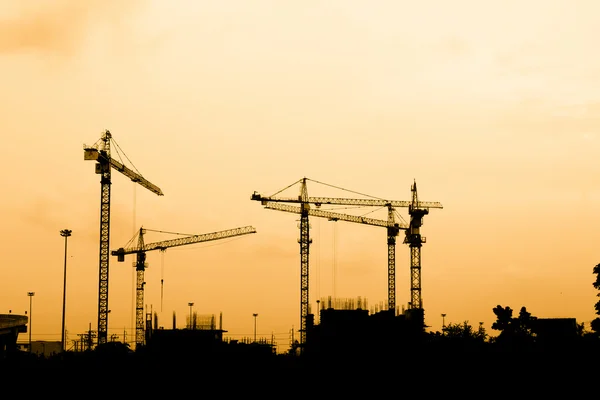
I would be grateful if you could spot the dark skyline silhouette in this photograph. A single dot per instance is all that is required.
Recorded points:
(212, 103)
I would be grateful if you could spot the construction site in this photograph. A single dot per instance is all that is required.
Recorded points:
(336, 325)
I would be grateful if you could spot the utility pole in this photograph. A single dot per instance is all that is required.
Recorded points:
(255, 315)
(30, 294)
(191, 305)
(64, 233)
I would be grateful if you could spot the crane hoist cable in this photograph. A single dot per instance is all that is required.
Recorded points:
(334, 267)
(335, 187)
(318, 263)
(162, 280)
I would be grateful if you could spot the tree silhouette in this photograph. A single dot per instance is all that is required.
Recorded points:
(595, 325)
(525, 323)
(504, 318)
(514, 330)
(465, 331)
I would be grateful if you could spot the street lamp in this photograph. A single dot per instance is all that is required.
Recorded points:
(255, 315)
(318, 311)
(443, 321)
(191, 305)
(64, 233)
(30, 294)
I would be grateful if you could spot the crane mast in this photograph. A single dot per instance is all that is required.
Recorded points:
(140, 267)
(304, 241)
(140, 264)
(101, 153)
(392, 231)
(415, 241)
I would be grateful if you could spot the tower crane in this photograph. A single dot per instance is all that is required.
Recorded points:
(101, 153)
(140, 263)
(412, 236)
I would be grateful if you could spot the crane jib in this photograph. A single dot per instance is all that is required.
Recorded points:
(318, 201)
(163, 245)
(135, 177)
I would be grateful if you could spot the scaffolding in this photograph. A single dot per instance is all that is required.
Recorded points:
(330, 302)
(205, 322)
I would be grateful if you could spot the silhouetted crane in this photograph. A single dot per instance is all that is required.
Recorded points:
(416, 210)
(100, 152)
(140, 263)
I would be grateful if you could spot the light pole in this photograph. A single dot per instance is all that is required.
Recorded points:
(191, 305)
(443, 322)
(30, 294)
(64, 233)
(318, 311)
(255, 315)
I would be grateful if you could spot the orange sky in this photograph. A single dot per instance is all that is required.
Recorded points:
(493, 107)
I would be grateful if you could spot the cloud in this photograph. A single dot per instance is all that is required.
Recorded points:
(59, 27)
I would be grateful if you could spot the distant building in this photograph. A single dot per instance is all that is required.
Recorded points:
(41, 348)
(201, 338)
(555, 330)
(348, 328)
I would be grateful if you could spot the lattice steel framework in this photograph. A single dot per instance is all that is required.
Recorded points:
(414, 239)
(304, 245)
(391, 241)
(415, 276)
(105, 183)
(392, 231)
(140, 267)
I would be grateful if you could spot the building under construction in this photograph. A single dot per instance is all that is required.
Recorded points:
(201, 339)
(347, 328)
(343, 328)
